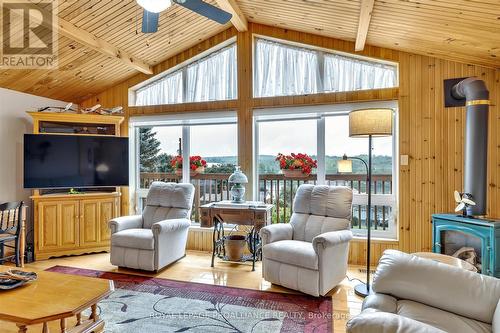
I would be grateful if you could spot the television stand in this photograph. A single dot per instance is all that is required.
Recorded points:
(73, 224)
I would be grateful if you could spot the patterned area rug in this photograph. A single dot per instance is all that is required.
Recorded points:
(143, 304)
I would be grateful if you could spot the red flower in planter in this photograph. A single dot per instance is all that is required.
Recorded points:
(195, 162)
(298, 161)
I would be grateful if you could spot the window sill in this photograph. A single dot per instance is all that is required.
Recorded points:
(379, 240)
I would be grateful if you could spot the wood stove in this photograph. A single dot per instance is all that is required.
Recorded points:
(475, 240)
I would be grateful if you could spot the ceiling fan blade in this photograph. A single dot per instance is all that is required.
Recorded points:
(150, 22)
(460, 207)
(457, 196)
(205, 9)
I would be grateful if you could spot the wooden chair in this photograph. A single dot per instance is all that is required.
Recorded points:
(10, 229)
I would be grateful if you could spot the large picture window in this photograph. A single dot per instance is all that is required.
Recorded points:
(282, 70)
(322, 132)
(160, 142)
(211, 78)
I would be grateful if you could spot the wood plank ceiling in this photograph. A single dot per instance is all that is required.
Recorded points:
(462, 30)
(83, 72)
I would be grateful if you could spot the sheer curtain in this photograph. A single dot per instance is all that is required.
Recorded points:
(167, 90)
(284, 70)
(213, 78)
(349, 74)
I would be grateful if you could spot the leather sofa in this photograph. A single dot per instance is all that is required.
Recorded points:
(309, 254)
(413, 294)
(158, 237)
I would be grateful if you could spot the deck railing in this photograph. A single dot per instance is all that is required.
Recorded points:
(279, 190)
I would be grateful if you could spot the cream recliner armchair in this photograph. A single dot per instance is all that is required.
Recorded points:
(417, 295)
(158, 237)
(310, 253)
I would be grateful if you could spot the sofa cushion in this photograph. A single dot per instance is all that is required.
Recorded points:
(292, 252)
(134, 238)
(446, 321)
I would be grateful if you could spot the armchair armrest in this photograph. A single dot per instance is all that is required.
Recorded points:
(330, 239)
(170, 226)
(125, 222)
(382, 322)
(276, 232)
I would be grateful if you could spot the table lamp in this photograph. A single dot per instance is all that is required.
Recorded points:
(367, 123)
(238, 179)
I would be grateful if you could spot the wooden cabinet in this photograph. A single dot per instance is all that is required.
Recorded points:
(66, 224)
(76, 224)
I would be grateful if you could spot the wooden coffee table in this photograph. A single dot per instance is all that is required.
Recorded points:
(55, 297)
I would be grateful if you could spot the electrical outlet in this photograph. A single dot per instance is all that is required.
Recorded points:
(404, 160)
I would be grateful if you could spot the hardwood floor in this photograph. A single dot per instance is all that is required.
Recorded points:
(195, 267)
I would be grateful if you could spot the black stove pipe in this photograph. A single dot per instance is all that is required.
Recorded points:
(476, 95)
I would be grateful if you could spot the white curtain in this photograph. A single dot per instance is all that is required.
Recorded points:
(349, 74)
(167, 90)
(284, 70)
(213, 78)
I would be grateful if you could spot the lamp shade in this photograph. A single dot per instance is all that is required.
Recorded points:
(238, 177)
(344, 166)
(375, 122)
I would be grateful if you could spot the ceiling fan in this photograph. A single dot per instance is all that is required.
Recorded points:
(153, 8)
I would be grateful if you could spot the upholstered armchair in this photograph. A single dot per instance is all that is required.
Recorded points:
(158, 237)
(417, 295)
(310, 253)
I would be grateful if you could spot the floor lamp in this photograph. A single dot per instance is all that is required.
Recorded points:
(367, 123)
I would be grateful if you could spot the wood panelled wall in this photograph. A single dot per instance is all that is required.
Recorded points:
(430, 134)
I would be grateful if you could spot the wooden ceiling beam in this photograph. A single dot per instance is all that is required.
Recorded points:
(86, 38)
(93, 42)
(239, 20)
(365, 17)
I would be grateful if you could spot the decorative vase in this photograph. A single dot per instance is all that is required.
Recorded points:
(234, 247)
(296, 173)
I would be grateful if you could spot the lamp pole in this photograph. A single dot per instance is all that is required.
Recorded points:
(363, 289)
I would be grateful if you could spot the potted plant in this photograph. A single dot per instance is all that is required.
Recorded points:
(196, 165)
(296, 165)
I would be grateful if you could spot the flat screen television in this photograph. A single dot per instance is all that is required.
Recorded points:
(67, 161)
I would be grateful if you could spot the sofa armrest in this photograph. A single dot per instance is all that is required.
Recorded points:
(170, 226)
(383, 322)
(276, 232)
(380, 302)
(496, 319)
(330, 239)
(125, 222)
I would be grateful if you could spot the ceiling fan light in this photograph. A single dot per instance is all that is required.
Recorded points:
(154, 6)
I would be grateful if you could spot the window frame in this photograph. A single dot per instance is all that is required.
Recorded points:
(187, 121)
(320, 52)
(183, 66)
(319, 113)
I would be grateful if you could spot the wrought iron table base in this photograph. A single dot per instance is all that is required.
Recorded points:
(219, 249)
